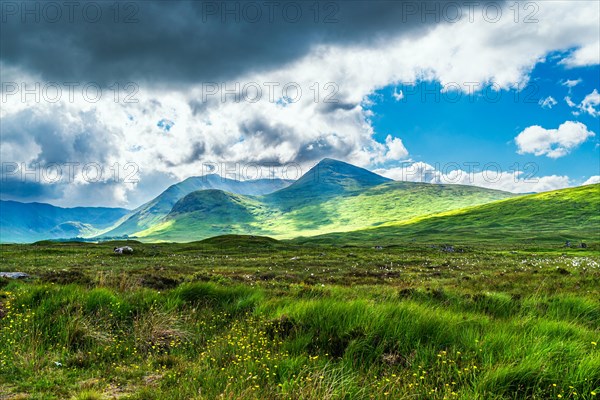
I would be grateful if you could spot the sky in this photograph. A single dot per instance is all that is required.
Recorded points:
(107, 104)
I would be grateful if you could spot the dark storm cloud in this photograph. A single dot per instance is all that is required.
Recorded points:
(270, 134)
(321, 148)
(198, 150)
(328, 107)
(198, 107)
(44, 152)
(18, 189)
(55, 139)
(167, 42)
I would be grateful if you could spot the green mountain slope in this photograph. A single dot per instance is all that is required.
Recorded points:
(569, 214)
(155, 210)
(333, 196)
(29, 222)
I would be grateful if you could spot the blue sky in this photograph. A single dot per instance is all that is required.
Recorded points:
(480, 128)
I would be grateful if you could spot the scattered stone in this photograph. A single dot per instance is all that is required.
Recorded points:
(568, 243)
(123, 250)
(14, 275)
(378, 247)
(448, 248)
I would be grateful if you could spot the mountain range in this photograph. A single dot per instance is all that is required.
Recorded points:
(332, 201)
(145, 216)
(331, 197)
(29, 222)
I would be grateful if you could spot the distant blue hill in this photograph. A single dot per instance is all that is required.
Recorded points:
(29, 222)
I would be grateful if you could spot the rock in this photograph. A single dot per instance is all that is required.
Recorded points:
(378, 247)
(14, 275)
(123, 250)
(583, 245)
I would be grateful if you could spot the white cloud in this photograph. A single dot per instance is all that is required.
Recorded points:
(592, 180)
(514, 181)
(571, 83)
(414, 172)
(398, 94)
(584, 56)
(591, 103)
(548, 102)
(553, 143)
(396, 150)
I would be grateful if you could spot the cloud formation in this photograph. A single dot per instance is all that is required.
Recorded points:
(190, 41)
(492, 178)
(176, 49)
(552, 143)
(584, 56)
(591, 104)
(548, 102)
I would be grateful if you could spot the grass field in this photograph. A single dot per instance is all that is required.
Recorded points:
(253, 318)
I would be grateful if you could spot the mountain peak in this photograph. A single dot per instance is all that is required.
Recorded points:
(328, 169)
(331, 162)
(331, 176)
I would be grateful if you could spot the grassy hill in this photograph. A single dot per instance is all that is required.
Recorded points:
(155, 210)
(333, 196)
(569, 214)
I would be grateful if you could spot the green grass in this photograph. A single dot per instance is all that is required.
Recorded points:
(569, 214)
(254, 318)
